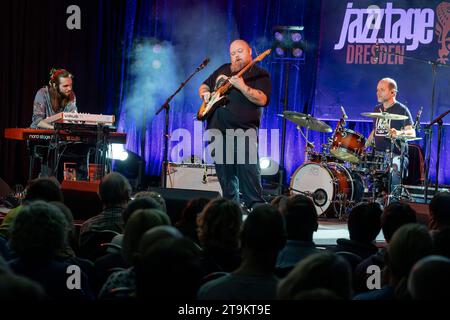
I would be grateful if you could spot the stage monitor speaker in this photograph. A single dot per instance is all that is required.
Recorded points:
(422, 211)
(82, 199)
(193, 176)
(176, 199)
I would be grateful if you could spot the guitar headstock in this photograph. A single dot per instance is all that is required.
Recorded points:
(263, 55)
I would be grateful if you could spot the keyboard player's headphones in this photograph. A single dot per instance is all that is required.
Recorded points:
(55, 73)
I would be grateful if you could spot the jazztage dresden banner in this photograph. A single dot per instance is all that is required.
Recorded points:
(364, 41)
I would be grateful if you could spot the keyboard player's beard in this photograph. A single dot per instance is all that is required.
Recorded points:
(58, 99)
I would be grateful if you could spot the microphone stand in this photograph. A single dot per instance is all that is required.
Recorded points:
(428, 136)
(166, 106)
(428, 127)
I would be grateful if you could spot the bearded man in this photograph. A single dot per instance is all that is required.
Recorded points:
(240, 181)
(57, 97)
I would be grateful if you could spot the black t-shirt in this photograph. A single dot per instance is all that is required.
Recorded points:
(382, 127)
(238, 112)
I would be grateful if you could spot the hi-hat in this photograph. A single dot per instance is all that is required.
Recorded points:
(384, 115)
(306, 121)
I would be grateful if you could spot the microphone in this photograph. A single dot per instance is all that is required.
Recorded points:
(376, 56)
(203, 64)
(343, 112)
(417, 123)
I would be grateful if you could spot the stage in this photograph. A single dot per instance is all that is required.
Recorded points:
(332, 229)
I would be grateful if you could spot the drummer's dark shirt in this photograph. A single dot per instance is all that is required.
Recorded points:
(381, 127)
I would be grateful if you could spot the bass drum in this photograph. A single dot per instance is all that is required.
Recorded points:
(332, 186)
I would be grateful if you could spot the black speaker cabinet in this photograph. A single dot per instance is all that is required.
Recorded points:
(176, 199)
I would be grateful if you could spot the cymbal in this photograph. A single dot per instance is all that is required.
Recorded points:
(408, 138)
(306, 121)
(384, 115)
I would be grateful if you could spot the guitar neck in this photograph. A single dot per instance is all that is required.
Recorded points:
(226, 86)
(245, 69)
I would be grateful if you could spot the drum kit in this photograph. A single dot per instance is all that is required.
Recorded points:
(344, 173)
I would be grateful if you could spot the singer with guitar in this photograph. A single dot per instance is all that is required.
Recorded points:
(234, 96)
(386, 129)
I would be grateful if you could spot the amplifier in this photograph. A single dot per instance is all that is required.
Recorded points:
(193, 176)
(418, 192)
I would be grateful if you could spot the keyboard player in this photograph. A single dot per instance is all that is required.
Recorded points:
(57, 97)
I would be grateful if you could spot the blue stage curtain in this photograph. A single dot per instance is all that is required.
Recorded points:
(251, 20)
(100, 55)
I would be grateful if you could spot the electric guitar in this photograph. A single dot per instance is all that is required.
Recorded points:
(218, 96)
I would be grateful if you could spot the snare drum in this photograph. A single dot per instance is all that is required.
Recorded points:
(348, 145)
(377, 162)
(317, 157)
(329, 184)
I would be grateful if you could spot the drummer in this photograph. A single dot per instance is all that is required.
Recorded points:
(387, 129)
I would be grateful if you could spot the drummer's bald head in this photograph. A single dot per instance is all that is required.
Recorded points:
(392, 84)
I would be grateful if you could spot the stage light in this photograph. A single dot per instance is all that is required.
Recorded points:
(289, 43)
(279, 36)
(268, 166)
(156, 64)
(116, 151)
(264, 163)
(132, 168)
(280, 52)
(297, 52)
(157, 48)
(296, 36)
(269, 175)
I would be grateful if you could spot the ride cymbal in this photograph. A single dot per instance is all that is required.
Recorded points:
(384, 115)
